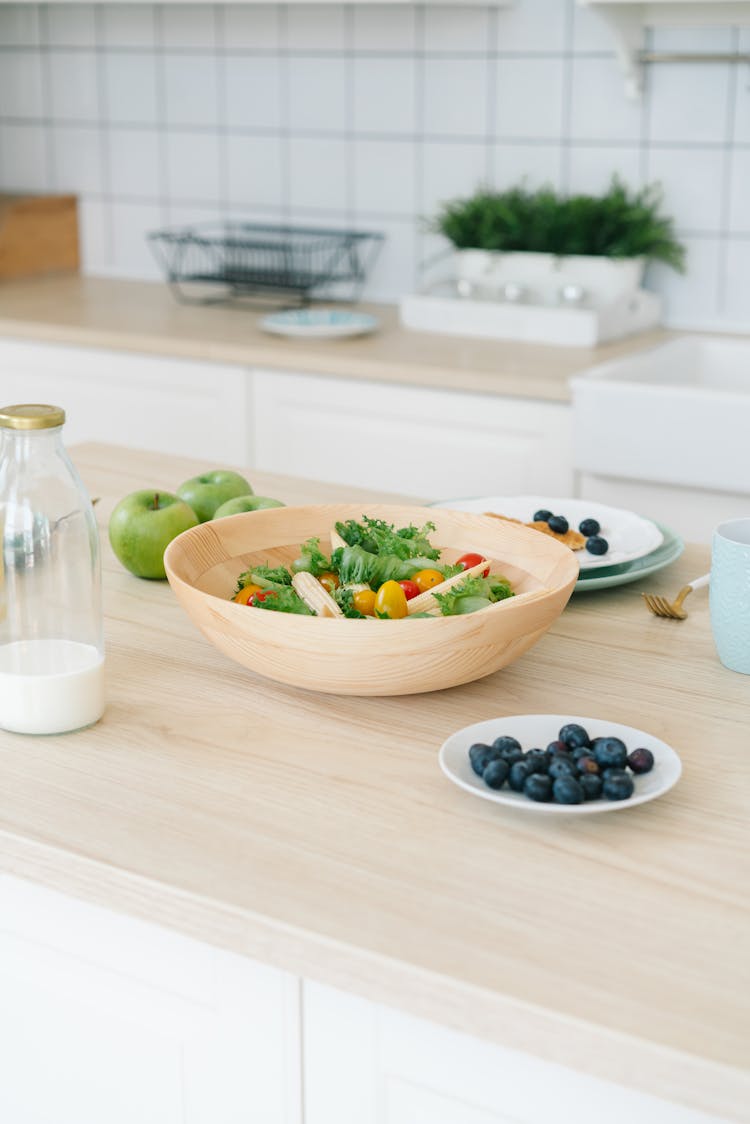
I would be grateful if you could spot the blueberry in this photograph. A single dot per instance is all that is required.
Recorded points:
(542, 515)
(504, 742)
(537, 761)
(496, 773)
(519, 772)
(512, 755)
(538, 787)
(562, 766)
(480, 756)
(597, 545)
(589, 527)
(591, 785)
(573, 735)
(611, 753)
(567, 790)
(587, 764)
(557, 747)
(641, 760)
(618, 785)
(580, 751)
(559, 524)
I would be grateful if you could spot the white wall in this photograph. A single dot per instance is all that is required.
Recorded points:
(367, 115)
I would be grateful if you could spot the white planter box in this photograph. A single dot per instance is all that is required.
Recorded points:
(532, 323)
(543, 276)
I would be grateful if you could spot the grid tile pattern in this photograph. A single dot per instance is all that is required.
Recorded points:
(368, 115)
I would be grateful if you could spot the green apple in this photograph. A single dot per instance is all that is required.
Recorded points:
(143, 525)
(207, 492)
(245, 503)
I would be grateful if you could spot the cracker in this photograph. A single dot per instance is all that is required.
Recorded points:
(573, 539)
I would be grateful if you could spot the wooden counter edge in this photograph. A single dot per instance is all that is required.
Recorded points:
(671, 1075)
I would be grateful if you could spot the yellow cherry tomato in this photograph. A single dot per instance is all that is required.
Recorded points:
(244, 595)
(364, 602)
(329, 581)
(426, 579)
(390, 601)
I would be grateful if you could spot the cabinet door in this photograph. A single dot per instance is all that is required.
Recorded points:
(369, 1064)
(108, 1019)
(412, 440)
(145, 401)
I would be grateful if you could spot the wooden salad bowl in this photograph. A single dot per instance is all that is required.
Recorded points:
(368, 657)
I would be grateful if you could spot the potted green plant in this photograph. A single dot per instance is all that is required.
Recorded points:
(543, 240)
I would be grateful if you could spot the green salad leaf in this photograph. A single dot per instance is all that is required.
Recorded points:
(267, 577)
(354, 564)
(344, 598)
(473, 594)
(378, 537)
(286, 600)
(312, 560)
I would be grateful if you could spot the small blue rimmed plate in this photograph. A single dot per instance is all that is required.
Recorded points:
(319, 323)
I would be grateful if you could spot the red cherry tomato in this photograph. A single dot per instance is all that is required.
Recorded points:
(262, 595)
(466, 561)
(411, 589)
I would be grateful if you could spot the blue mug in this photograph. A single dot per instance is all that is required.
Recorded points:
(730, 593)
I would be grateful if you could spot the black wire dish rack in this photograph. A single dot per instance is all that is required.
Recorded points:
(219, 262)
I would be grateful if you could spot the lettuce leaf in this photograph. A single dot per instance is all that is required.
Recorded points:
(312, 560)
(378, 537)
(286, 600)
(473, 594)
(354, 564)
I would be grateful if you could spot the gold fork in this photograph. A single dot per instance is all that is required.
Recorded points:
(661, 607)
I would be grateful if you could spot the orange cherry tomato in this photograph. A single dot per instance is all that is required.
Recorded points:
(426, 579)
(364, 602)
(329, 581)
(390, 601)
(466, 561)
(411, 589)
(244, 595)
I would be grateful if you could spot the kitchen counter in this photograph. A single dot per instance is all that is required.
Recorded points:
(144, 317)
(317, 834)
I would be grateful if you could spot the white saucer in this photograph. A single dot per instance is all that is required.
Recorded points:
(629, 535)
(319, 323)
(537, 731)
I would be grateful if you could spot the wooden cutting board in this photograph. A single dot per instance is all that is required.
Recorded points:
(38, 235)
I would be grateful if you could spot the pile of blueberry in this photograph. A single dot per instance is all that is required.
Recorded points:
(589, 528)
(570, 770)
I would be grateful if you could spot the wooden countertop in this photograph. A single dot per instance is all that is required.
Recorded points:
(144, 316)
(318, 834)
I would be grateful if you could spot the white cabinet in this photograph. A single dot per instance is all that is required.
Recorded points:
(145, 401)
(369, 1064)
(414, 440)
(108, 1019)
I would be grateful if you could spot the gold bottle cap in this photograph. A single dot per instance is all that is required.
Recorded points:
(31, 416)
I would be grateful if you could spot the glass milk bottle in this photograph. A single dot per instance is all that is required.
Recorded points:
(51, 643)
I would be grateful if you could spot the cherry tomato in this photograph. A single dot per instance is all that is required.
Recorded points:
(426, 579)
(411, 589)
(329, 581)
(390, 601)
(466, 561)
(244, 595)
(262, 595)
(364, 602)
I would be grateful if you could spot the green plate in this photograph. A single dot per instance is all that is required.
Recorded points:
(669, 551)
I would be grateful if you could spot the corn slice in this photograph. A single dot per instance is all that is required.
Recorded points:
(315, 596)
(336, 540)
(426, 601)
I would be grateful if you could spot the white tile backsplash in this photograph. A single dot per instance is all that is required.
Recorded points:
(21, 93)
(191, 90)
(74, 85)
(528, 96)
(130, 90)
(455, 97)
(317, 94)
(368, 114)
(384, 95)
(77, 155)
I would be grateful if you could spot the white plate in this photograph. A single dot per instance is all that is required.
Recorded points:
(629, 535)
(321, 323)
(538, 730)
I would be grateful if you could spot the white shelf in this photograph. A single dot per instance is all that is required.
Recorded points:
(628, 20)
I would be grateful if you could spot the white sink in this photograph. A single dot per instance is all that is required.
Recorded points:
(679, 414)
